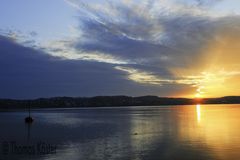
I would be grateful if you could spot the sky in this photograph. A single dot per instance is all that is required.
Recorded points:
(167, 48)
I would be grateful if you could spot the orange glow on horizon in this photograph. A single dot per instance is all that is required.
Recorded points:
(217, 71)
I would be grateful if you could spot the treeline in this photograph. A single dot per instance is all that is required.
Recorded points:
(106, 101)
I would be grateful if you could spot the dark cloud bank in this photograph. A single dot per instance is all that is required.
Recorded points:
(28, 73)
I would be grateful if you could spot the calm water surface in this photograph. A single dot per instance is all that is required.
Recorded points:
(199, 132)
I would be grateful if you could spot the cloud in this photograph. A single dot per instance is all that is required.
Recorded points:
(143, 77)
(25, 39)
(33, 33)
(156, 42)
(26, 72)
(142, 35)
(32, 73)
(64, 50)
(156, 47)
(138, 33)
(208, 2)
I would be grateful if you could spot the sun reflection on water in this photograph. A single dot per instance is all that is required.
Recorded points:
(198, 110)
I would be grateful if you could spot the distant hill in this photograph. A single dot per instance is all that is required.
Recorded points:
(113, 101)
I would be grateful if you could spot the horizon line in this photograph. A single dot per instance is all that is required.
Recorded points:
(193, 98)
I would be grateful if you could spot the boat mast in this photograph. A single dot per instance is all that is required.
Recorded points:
(29, 110)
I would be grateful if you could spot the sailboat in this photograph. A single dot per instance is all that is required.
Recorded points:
(29, 119)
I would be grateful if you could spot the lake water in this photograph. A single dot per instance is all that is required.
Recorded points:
(197, 132)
